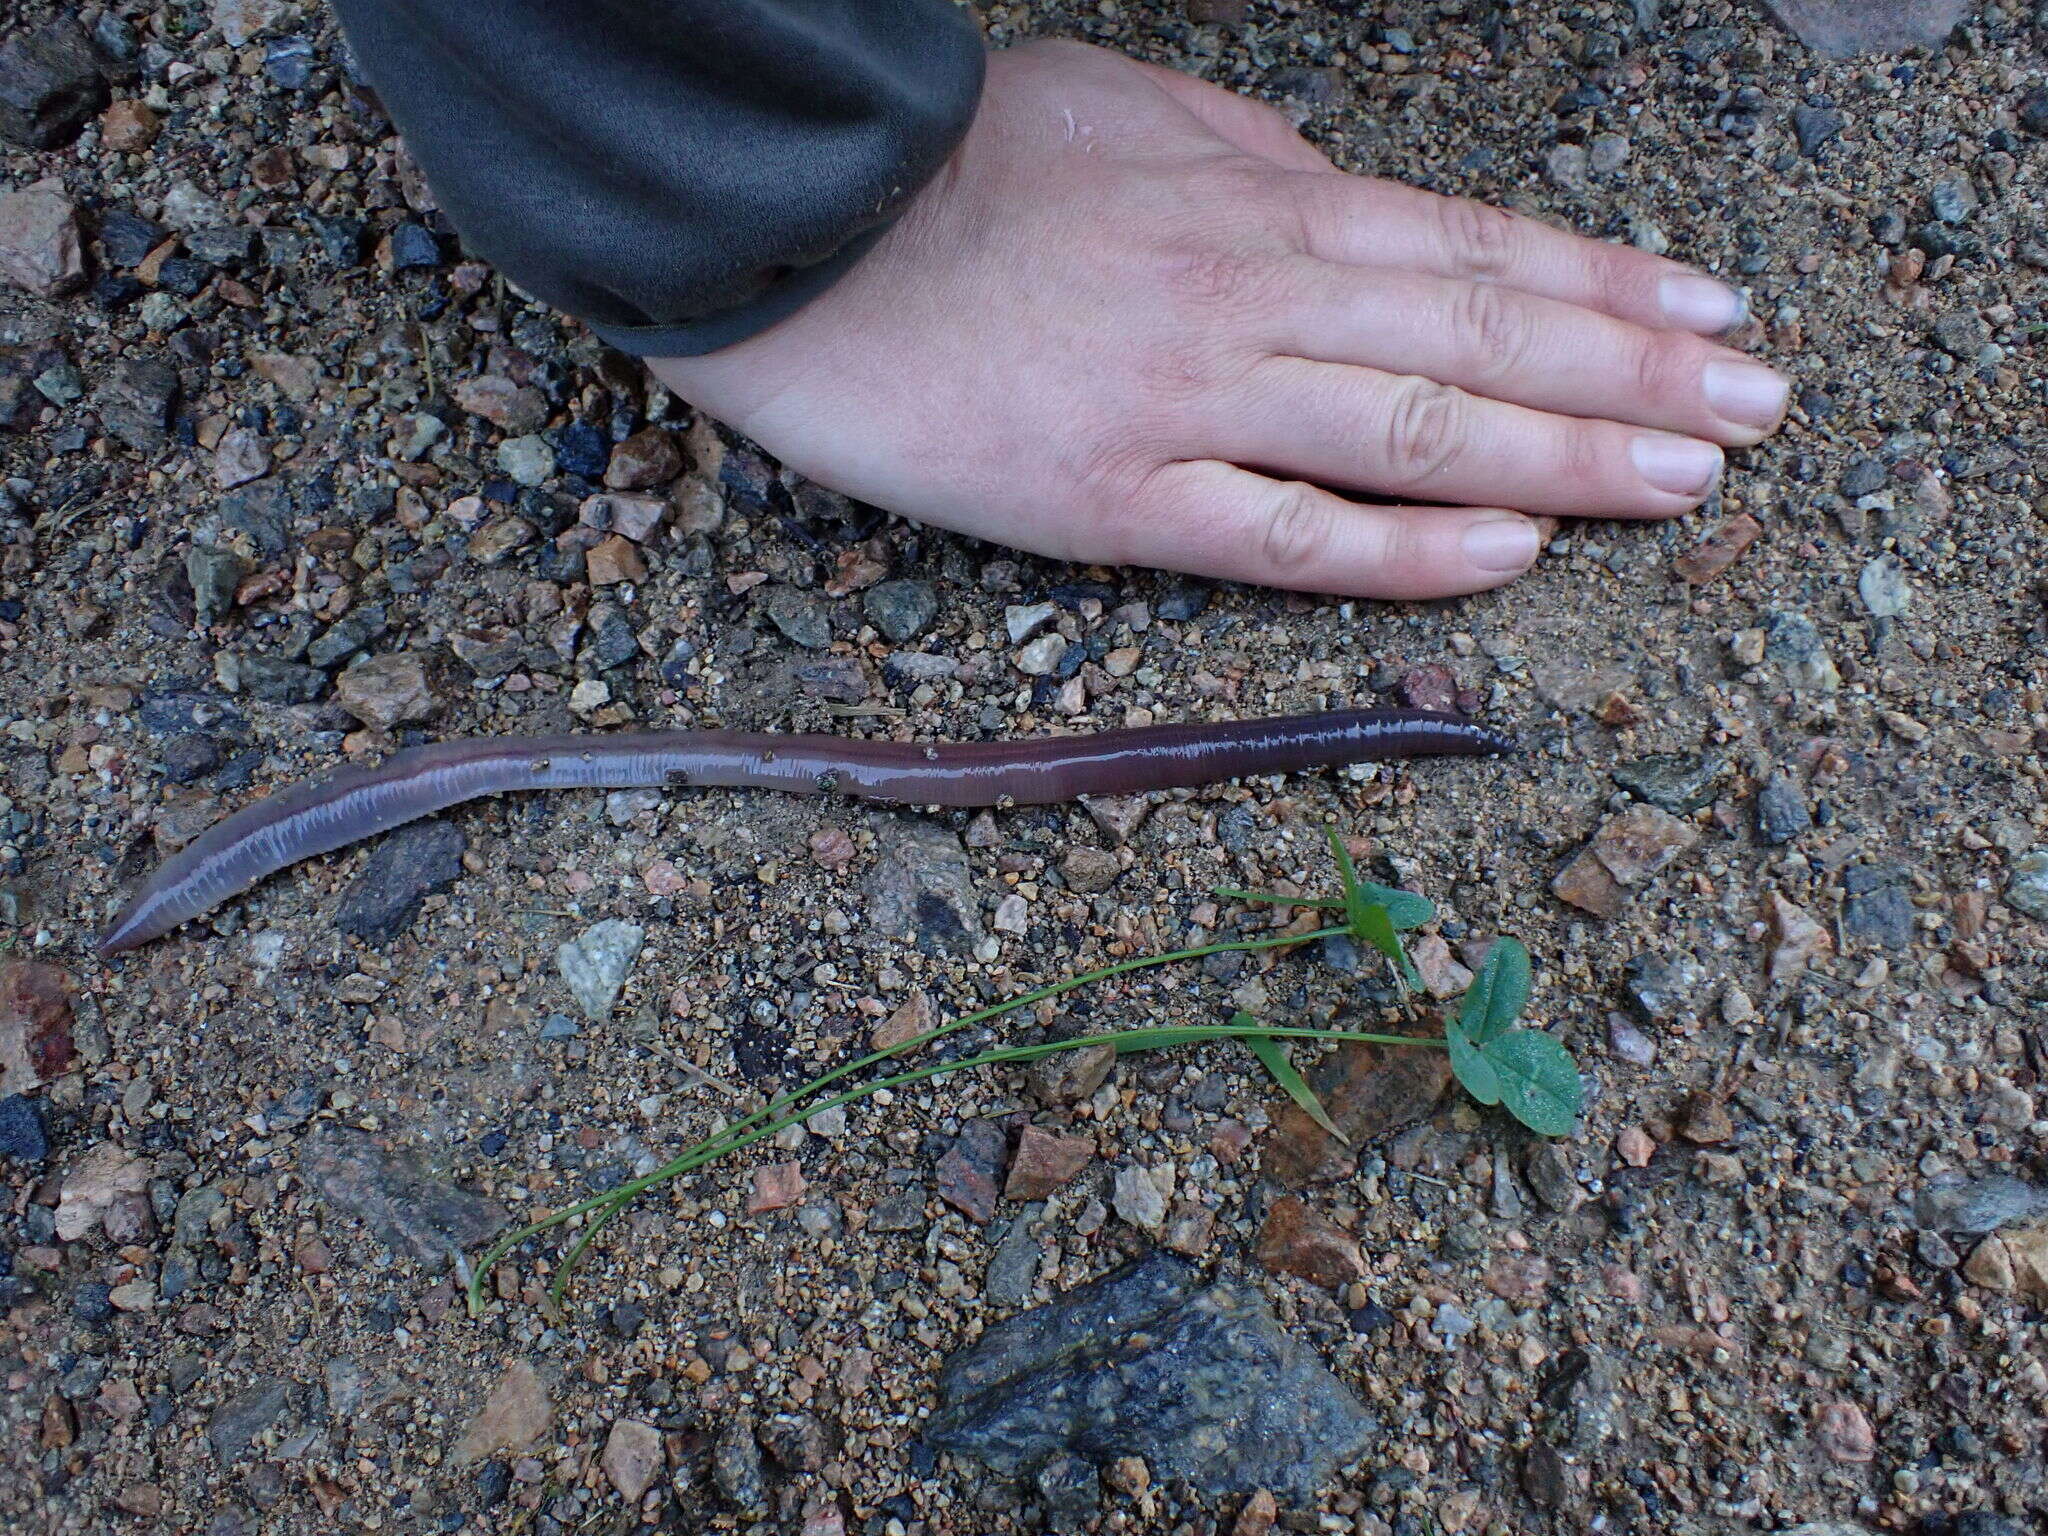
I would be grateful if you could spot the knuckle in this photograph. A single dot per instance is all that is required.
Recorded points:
(1496, 329)
(1210, 279)
(1665, 369)
(1481, 239)
(1424, 430)
(1174, 372)
(1299, 530)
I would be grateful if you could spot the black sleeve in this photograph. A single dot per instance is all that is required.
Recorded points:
(679, 174)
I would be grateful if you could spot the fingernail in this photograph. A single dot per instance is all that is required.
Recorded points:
(1503, 544)
(1748, 393)
(1699, 303)
(1683, 466)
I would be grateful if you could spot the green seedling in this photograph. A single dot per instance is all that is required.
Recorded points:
(1525, 1071)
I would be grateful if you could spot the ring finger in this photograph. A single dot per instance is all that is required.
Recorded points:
(1410, 437)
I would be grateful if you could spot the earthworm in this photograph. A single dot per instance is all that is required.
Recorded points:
(355, 803)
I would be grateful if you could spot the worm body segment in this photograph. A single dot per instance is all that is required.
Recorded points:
(355, 803)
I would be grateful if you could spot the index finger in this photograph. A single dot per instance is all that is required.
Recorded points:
(1366, 222)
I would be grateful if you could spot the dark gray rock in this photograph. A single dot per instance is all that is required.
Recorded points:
(1813, 127)
(1071, 1490)
(1013, 1267)
(21, 1129)
(1661, 988)
(901, 610)
(414, 245)
(1863, 476)
(134, 401)
(214, 574)
(1678, 782)
(126, 237)
(1793, 645)
(50, 84)
(1200, 1381)
(1961, 333)
(237, 1422)
(1878, 908)
(800, 617)
(228, 246)
(920, 886)
(1781, 810)
(1952, 1203)
(736, 1467)
(2033, 111)
(343, 638)
(273, 681)
(401, 872)
(405, 1208)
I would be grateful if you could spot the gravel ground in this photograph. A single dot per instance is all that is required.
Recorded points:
(290, 480)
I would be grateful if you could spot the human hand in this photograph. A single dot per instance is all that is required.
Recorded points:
(1137, 320)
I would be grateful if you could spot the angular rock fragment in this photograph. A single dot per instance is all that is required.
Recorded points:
(1202, 1383)
(406, 1208)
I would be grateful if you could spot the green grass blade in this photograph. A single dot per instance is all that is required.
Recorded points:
(1275, 898)
(1273, 1057)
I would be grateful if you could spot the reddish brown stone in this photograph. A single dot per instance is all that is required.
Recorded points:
(971, 1171)
(1369, 1091)
(1297, 1241)
(613, 561)
(1721, 548)
(776, 1187)
(650, 457)
(35, 1025)
(1586, 884)
(915, 1017)
(1045, 1161)
(129, 127)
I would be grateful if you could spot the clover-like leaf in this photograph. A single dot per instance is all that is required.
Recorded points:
(1539, 1082)
(1498, 994)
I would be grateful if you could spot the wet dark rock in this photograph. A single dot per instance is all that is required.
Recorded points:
(837, 678)
(134, 401)
(1878, 908)
(1181, 603)
(126, 237)
(236, 1423)
(1678, 782)
(1813, 127)
(1781, 810)
(401, 872)
(1013, 1267)
(901, 610)
(1952, 1203)
(183, 276)
(580, 449)
(413, 246)
(1663, 989)
(289, 61)
(50, 84)
(406, 1209)
(21, 1129)
(920, 886)
(1200, 1381)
